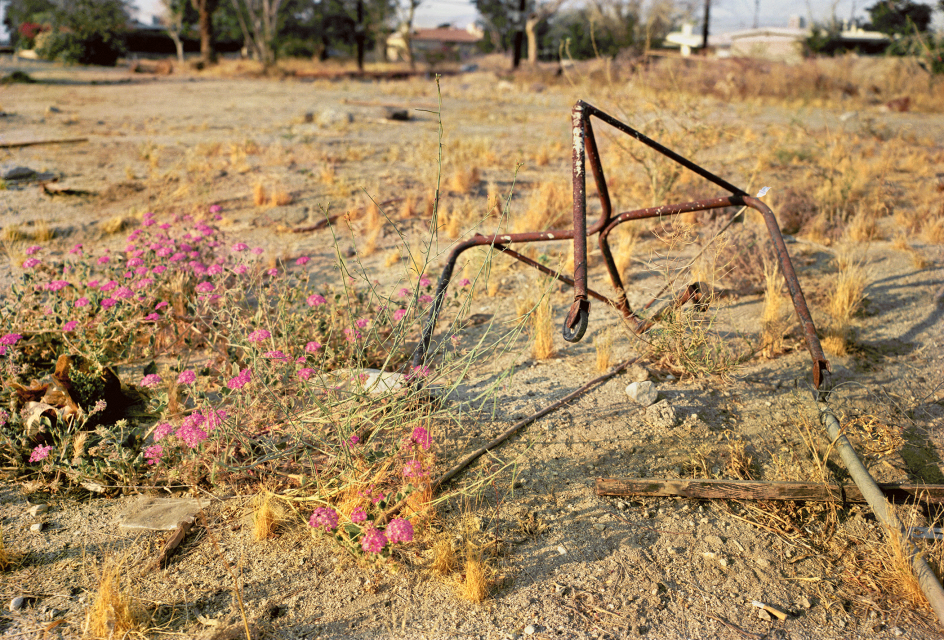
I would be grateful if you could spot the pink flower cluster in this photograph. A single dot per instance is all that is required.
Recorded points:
(324, 518)
(240, 381)
(196, 427)
(259, 335)
(40, 453)
(150, 380)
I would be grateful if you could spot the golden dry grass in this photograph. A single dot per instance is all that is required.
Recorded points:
(408, 206)
(259, 195)
(776, 314)
(835, 344)
(280, 198)
(444, 557)
(542, 327)
(116, 224)
(603, 343)
(550, 206)
(474, 585)
(266, 517)
(464, 179)
(392, 258)
(328, 174)
(847, 293)
(626, 242)
(6, 558)
(112, 614)
(933, 231)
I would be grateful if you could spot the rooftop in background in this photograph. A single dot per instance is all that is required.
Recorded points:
(470, 35)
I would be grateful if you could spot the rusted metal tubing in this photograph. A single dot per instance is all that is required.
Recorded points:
(873, 495)
(575, 325)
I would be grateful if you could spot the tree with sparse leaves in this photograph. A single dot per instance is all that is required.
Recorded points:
(86, 32)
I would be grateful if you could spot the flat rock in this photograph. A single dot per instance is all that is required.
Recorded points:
(17, 603)
(643, 393)
(37, 509)
(159, 514)
(637, 373)
(332, 117)
(12, 173)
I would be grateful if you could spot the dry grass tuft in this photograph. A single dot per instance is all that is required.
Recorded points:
(266, 517)
(835, 344)
(542, 327)
(918, 259)
(115, 225)
(408, 207)
(463, 180)
(329, 174)
(933, 231)
(549, 207)
(848, 292)
(474, 586)
(625, 249)
(112, 614)
(603, 342)
(280, 198)
(776, 315)
(392, 258)
(259, 195)
(12, 234)
(6, 558)
(444, 557)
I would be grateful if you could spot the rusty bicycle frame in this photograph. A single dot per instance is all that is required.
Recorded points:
(575, 325)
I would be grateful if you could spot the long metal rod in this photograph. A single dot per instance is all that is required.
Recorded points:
(873, 495)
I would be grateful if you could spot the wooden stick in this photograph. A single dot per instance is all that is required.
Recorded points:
(754, 490)
(172, 543)
(32, 143)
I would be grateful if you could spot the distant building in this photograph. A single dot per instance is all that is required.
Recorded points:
(432, 45)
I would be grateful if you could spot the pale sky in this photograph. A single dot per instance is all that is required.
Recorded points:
(726, 15)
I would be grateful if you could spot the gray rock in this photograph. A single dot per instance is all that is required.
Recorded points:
(332, 117)
(12, 173)
(37, 509)
(396, 113)
(642, 393)
(661, 415)
(36, 528)
(530, 630)
(17, 603)
(159, 514)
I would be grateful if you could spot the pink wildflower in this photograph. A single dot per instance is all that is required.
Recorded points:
(152, 317)
(76, 249)
(29, 263)
(324, 518)
(275, 355)
(56, 285)
(160, 305)
(215, 208)
(107, 303)
(404, 292)
(134, 262)
(361, 322)
(421, 371)
(40, 453)
(358, 515)
(187, 377)
(34, 249)
(143, 283)
(108, 286)
(92, 284)
(258, 251)
(400, 530)
(103, 260)
(240, 381)
(161, 431)
(273, 272)
(124, 293)
(259, 335)
(205, 287)
(305, 373)
(373, 541)
(413, 469)
(159, 269)
(425, 299)
(70, 326)
(10, 339)
(351, 335)
(312, 346)
(425, 281)
(315, 300)
(153, 454)
(420, 437)
(215, 269)
(398, 315)
(240, 246)
(150, 380)
(302, 261)
(190, 431)
(240, 269)
(465, 282)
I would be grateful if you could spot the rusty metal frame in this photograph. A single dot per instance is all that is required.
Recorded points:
(585, 151)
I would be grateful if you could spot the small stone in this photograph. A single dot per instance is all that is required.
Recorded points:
(599, 526)
(669, 376)
(642, 393)
(637, 373)
(621, 505)
(723, 562)
(17, 603)
(529, 630)
(896, 631)
(763, 615)
(37, 509)
(561, 550)
(804, 603)
(331, 117)
(36, 528)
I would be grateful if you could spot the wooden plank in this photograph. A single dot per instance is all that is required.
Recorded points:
(33, 143)
(755, 490)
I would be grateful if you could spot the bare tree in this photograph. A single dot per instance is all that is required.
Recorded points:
(538, 13)
(205, 9)
(408, 9)
(258, 20)
(173, 20)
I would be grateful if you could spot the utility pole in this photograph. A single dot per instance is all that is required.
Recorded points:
(518, 20)
(757, 12)
(704, 29)
(360, 35)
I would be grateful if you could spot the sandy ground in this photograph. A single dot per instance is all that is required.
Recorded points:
(569, 564)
